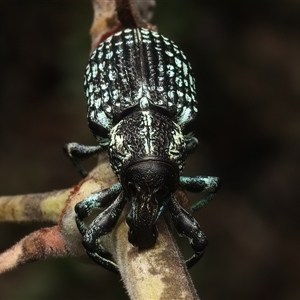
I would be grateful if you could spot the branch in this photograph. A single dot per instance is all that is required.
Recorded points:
(112, 16)
(33, 207)
(61, 240)
(41, 244)
(160, 272)
(155, 273)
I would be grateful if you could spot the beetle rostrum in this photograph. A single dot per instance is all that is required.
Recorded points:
(141, 107)
(148, 184)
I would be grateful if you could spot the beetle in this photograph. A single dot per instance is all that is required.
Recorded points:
(141, 105)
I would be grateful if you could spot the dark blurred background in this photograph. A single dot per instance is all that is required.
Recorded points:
(246, 57)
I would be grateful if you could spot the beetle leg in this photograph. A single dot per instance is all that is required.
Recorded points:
(187, 225)
(103, 224)
(95, 201)
(104, 262)
(191, 143)
(77, 152)
(198, 184)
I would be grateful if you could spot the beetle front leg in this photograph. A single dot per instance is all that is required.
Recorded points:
(77, 152)
(102, 225)
(199, 184)
(185, 224)
(95, 201)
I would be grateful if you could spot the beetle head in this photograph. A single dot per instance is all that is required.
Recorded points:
(148, 184)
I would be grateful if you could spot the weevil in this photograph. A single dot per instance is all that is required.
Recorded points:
(141, 105)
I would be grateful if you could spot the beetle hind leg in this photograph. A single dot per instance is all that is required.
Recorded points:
(185, 224)
(77, 152)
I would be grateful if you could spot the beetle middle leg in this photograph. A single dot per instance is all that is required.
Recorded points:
(185, 224)
(199, 184)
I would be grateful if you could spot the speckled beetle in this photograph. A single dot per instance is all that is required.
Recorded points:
(141, 103)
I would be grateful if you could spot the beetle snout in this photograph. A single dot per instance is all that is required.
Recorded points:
(142, 226)
(148, 185)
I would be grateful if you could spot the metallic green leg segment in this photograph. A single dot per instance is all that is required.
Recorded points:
(199, 184)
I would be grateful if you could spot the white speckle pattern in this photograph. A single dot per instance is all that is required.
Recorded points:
(135, 64)
(169, 53)
(151, 135)
(144, 103)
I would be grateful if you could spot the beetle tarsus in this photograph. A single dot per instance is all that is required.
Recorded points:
(104, 262)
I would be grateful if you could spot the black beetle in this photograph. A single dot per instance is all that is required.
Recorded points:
(141, 107)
